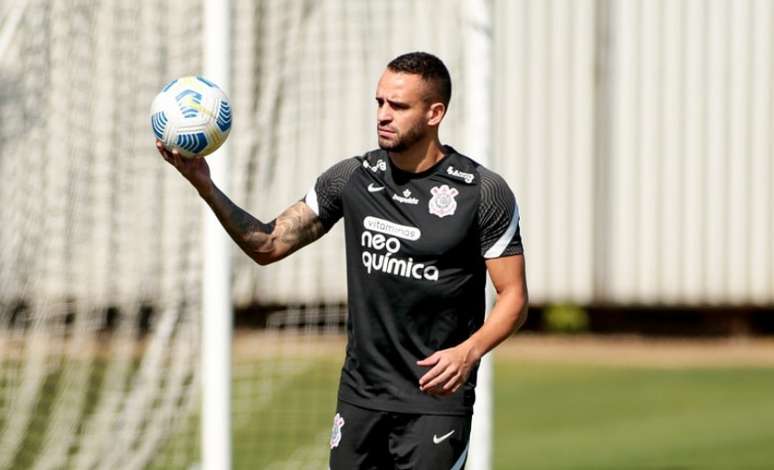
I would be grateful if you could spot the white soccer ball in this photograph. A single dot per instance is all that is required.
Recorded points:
(192, 115)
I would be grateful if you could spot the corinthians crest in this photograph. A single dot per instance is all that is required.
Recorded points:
(442, 203)
(338, 423)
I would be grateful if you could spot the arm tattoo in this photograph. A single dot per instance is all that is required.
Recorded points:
(296, 227)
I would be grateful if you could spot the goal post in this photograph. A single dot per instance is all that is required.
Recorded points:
(478, 136)
(217, 308)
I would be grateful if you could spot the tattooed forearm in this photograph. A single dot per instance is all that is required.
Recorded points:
(266, 242)
(252, 235)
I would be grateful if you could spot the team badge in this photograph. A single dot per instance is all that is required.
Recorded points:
(442, 203)
(338, 423)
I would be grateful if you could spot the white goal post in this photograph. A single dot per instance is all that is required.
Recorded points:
(217, 308)
(478, 142)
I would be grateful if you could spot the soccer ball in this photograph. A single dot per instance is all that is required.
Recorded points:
(192, 115)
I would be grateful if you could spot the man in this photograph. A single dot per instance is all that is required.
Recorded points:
(424, 224)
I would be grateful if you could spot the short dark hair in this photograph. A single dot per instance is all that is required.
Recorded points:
(432, 70)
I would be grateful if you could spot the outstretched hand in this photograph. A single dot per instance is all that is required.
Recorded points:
(194, 170)
(450, 369)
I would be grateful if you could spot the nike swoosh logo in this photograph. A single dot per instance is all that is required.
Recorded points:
(438, 440)
(373, 189)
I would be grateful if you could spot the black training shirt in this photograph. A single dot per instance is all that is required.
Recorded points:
(416, 244)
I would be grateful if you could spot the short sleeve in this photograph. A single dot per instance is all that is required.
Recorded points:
(498, 217)
(325, 196)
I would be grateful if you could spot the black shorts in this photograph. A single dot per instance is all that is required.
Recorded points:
(366, 439)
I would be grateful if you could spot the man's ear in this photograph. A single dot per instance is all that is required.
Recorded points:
(435, 113)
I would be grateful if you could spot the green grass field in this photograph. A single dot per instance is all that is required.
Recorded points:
(570, 416)
(554, 416)
(548, 415)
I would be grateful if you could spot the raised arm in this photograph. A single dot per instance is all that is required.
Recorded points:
(265, 243)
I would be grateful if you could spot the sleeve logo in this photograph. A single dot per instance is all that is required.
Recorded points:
(443, 203)
(380, 165)
(338, 423)
(466, 177)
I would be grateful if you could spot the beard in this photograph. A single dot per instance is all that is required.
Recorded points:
(402, 142)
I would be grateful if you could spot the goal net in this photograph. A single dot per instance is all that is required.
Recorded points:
(100, 258)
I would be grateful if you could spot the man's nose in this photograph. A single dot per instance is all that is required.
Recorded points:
(384, 115)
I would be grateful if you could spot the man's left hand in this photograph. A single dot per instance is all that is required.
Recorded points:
(450, 369)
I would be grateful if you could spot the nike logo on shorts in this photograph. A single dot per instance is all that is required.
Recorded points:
(438, 440)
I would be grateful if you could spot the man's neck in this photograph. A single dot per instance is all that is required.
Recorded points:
(419, 157)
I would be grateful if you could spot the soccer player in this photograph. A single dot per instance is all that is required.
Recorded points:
(424, 225)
